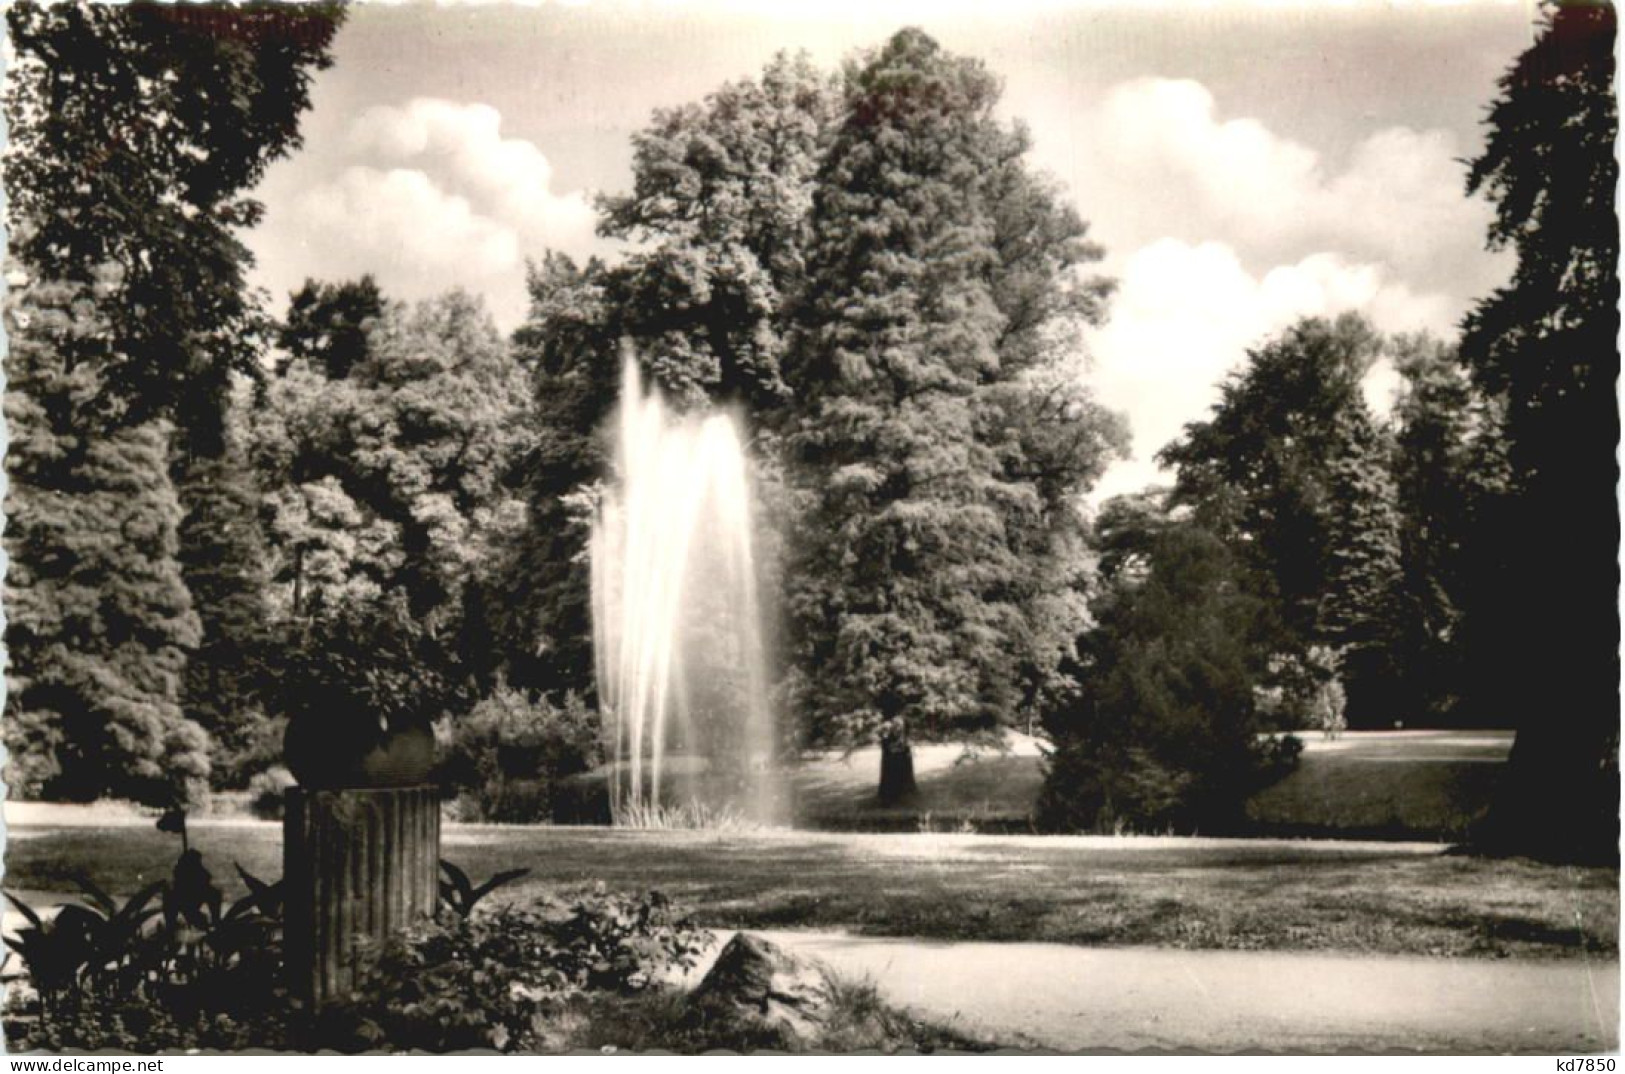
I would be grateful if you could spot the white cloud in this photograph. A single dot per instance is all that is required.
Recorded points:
(1185, 315)
(1162, 151)
(428, 196)
(508, 178)
(403, 218)
(1229, 232)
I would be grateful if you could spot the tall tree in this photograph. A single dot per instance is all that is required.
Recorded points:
(1360, 613)
(135, 131)
(907, 576)
(1449, 461)
(539, 604)
(721, 200)
(1293, 472)
(396, 483)
(719, 208)
(722, 203)
(226, 575)
(1546, 346)
(98, 619)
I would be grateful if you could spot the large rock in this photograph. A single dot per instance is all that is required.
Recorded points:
(759, 991)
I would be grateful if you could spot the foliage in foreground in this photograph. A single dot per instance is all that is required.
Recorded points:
(177, 967)
(507, 979)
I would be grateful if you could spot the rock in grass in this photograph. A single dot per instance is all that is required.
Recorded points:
(761, 993)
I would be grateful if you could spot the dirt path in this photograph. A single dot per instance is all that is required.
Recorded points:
(1128, 999)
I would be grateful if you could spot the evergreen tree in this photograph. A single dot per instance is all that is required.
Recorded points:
(1360, 612)
(98, 619)
(1163, 729)
(902, 574)
(1545, 346)
(1292, 471)
(1449, 460)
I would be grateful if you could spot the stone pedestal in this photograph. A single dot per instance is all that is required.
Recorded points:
(358, 863)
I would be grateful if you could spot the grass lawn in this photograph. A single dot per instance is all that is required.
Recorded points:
(1386, 784)
(1352, 897)
(1429, 785)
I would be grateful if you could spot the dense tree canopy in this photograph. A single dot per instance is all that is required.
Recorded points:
(394, 482)
(724, 202)
(134, 132)
(1449, 462)
(1545, 347)
(1292, 470)
(98, 619)
(538, 603)
(920, 444)
(721, 196)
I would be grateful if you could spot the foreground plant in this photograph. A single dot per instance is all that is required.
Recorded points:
(460, 895)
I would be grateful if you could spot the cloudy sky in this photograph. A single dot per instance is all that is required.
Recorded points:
(1243, 164)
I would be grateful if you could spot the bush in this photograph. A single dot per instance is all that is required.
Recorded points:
(267, 792)
(505, 758)
(509, 979)
(1163, 731)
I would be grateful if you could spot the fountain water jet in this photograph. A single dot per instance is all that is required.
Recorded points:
(677, 619)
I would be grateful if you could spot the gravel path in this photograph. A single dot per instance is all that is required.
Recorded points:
(1129, 999)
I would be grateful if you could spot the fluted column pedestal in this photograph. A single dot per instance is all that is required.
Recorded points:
(358, 864)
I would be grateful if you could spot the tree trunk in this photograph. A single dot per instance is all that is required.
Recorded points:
(896, 765)
(1558, 799)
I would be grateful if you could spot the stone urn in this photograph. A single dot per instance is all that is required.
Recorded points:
(321, 758)
(361, 846)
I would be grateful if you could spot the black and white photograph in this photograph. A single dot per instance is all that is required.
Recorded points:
(705, 526)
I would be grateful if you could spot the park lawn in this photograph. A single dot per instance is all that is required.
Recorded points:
(1386, 784)
(1430, 785)
(1192, 893)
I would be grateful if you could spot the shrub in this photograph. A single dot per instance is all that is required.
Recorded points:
(267, 792)
(506, 756)
(1163, 730)
(507, 979)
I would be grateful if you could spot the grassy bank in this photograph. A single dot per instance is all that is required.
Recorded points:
(1352, 897)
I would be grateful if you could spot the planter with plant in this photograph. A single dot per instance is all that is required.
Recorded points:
(361, 834)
